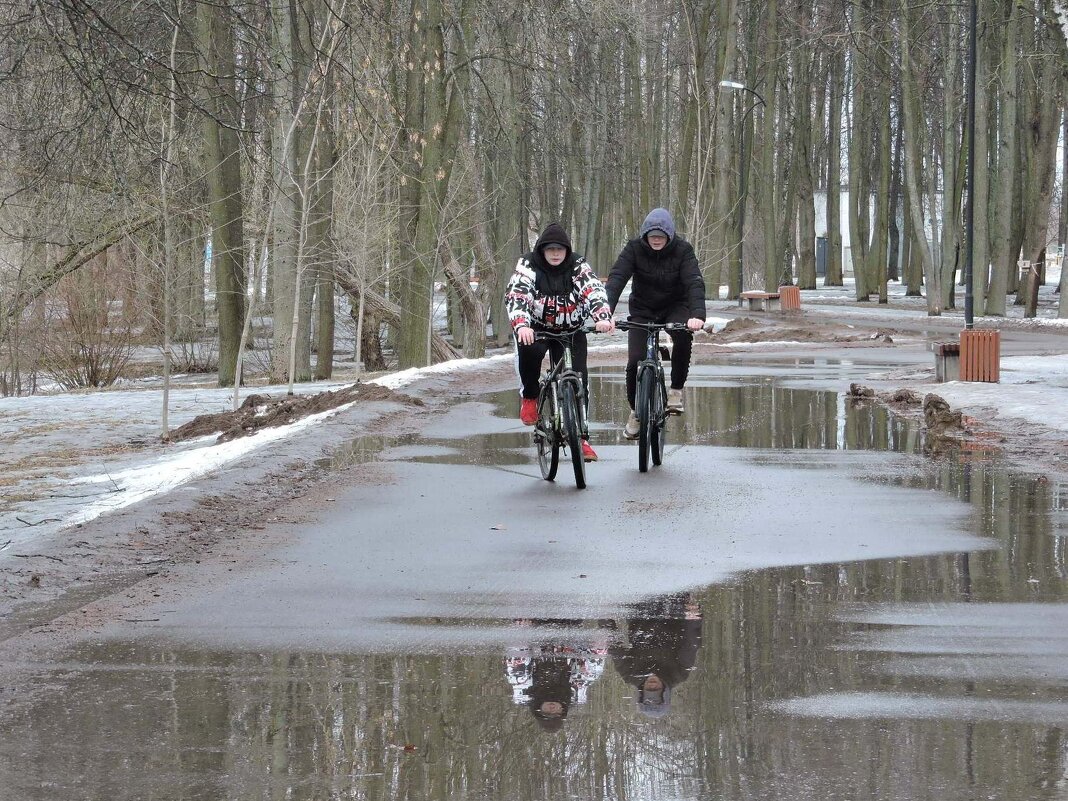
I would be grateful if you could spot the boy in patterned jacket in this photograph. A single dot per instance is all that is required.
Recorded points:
(552, 289)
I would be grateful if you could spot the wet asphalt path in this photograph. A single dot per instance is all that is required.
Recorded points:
(828, 614)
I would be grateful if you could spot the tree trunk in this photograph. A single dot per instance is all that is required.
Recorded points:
(859, 141)
(893, 267)
(286, 222)
(913, 144)
(833, 276)
(322, 256)
(806, 208)
(952, 171)
(222, 168)
(1005, 178)
(880, 226)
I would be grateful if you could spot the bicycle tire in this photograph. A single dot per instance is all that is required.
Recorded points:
(658, 428)
(644, 406)
(546, 439)
(573, 432)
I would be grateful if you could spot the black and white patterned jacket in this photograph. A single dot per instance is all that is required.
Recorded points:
(530, 302)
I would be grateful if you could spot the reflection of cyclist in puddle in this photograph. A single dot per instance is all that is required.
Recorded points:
(664, 634)
(549, 678)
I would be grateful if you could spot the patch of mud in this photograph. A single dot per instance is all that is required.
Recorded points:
(784, 334)
(739, 324)
(945, 429)
(882, 335)
(264, 411)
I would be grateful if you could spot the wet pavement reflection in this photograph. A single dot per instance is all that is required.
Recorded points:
(937, 677)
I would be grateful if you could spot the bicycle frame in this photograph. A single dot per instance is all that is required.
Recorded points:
(559, 372)
(653, 362)
(561, 412)
(651, 409)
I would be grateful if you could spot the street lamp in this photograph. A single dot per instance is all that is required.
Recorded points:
(742, 172)
(969, 213)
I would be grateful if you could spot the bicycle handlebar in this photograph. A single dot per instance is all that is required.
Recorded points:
(563, 335)
(623, 325)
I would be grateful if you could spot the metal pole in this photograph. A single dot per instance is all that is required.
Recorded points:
(969, 209)
(741, 204)
(743, 188)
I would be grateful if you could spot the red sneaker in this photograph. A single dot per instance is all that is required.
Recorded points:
(528, 411)
(588, 453)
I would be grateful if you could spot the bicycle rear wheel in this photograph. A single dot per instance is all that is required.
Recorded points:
(644, 407)
(573, 431)
(658, 426)
(546, 439)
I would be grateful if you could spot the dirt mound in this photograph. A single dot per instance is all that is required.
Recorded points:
(783, 335)
(739, 324)
(944, 428)
(264, 411)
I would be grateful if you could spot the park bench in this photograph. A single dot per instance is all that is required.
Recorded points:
(760, 301)
(788, 298)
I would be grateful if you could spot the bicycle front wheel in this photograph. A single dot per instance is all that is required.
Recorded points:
(644, 407)
(546, 439)
(573, 431)
(658, 426)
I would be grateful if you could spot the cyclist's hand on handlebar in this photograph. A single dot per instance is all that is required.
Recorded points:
(695, 323)
(605, 326)
(525, 335)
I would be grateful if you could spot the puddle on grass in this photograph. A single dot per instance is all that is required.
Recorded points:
(929, 678)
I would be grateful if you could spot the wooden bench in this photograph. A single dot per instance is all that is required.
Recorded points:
(760, 301)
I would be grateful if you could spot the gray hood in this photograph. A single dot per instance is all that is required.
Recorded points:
(658, 218)
(655, 705)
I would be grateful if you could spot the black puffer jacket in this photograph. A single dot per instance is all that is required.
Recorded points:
(662, 279)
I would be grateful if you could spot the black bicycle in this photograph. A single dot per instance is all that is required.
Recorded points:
(650, 398)
(561, 411)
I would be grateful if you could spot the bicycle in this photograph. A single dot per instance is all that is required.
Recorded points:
(650, 398)
(561, 411)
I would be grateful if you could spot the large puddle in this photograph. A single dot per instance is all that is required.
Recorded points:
(939, 676)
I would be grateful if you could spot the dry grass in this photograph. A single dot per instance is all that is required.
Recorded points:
(47, 461)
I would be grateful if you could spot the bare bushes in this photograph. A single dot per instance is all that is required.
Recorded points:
(195, 357)
(85, 340)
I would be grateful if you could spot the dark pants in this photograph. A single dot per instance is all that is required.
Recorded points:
(682, 346)
(530, 357)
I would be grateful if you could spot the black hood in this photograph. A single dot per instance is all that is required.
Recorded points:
(554, 234)
(553, 280)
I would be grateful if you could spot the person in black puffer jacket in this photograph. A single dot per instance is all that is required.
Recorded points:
(667, 287)
(552, 289)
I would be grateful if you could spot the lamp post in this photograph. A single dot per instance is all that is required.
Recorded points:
(969, 209)
(742, 172)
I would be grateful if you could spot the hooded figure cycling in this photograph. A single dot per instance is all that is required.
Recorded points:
(667, 288)
(552, 289)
